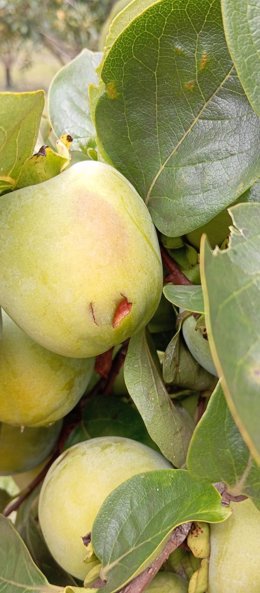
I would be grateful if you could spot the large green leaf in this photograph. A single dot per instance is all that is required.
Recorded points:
(27, 525)
(218, 453)
(171, 115)
(20, 115)
(18, 573)
(138, 517)
(231, 287)
(5, 498)
(41, 166)
(68, 98)
(119, 418)
(242, 28)
(253, 194)
(169, 427)
(188, 297)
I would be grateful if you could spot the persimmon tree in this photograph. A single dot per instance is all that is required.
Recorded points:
(130, 240)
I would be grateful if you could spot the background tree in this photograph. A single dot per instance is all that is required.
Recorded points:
(64, 27)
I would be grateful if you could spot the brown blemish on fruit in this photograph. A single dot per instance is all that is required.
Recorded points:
(196, 530)
(91, 307)
(123, 309)
(203, 61)
(189, 86)
(111, 90)
(86, 539)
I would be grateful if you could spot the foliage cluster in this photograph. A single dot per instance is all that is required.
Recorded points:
(172, 112)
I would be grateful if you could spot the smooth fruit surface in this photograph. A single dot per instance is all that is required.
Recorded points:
(235, 551)
(167, 582)
(80, 263)
(77, 485)
(37, 387)
(23, 449)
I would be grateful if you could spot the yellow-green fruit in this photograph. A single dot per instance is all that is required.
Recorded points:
(80, 263)
(77, 485)
(23, 449)
(198, 345)
(235, 551)
(198, 540)
(199, 581)
(167, 582)
(37, 387)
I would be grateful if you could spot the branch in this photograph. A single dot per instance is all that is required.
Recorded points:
(226, 496)
(105, 385)
(175, 276)
(15, 504)
(57, 51)
(103, 363)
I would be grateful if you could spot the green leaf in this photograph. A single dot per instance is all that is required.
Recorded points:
(137, 518)
(71, 589)
(171, 115)
(27, 524)
(253, 194)
(218, 453)
(5, 498)
(241, 22)
(68, 98)
(169, 427)
(116, 419)
(7, 483)
(231, 288)
(41, 166)
(181, 369)
(18, 573)
(20, 115)
(188, 297)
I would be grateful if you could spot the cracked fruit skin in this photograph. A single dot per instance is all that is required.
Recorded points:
(22, 450)
(77, 484)
(37, 387)
(235, 551)
(80, 263)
